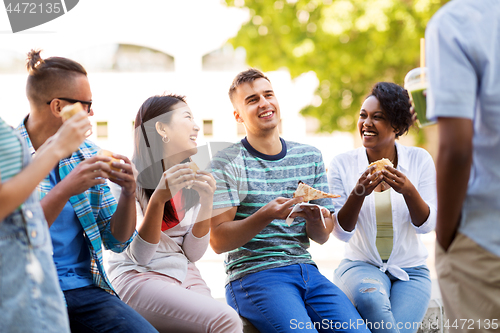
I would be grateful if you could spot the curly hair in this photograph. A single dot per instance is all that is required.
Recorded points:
(395, 102)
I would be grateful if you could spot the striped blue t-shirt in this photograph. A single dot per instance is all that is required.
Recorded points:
(11, 152)
(249, 180)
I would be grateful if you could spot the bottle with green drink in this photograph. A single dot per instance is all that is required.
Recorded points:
(416, 84)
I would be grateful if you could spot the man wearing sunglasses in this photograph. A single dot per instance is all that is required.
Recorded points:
(88, 104)
(82, 214)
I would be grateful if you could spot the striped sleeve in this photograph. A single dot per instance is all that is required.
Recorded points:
(10, 152)
(227, 190)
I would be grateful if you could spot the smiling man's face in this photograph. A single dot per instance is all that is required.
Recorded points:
(256, 106)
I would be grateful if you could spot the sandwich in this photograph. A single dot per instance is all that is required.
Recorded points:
(193, 167)
(379, 165)
(70, 110)
(104, 152)
(309, 193)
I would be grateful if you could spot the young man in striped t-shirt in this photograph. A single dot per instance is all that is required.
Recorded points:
(271, 279)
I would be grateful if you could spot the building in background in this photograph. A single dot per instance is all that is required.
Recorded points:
(125, 69)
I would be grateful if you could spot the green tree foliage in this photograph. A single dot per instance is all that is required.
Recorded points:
(349, 44)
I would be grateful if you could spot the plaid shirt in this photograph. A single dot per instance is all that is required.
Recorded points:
(93, 207)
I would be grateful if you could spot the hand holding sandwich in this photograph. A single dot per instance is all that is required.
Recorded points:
(368, 181)
(69, 136)
(172, 181)
(398, 181)
(121, 173)
(66, 140)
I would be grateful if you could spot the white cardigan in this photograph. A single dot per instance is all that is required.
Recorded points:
(176, 248)
(408, 250)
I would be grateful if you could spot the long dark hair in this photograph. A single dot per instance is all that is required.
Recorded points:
(148, 149)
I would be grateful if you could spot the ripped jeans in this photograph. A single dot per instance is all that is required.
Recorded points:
(385, 302)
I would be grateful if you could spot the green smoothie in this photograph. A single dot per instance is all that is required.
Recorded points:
(416, 82)
(420, 104)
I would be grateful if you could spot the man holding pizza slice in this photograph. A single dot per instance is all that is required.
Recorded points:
(271, 279)
(309, 193)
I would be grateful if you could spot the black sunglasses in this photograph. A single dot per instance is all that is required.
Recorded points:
(87, 103)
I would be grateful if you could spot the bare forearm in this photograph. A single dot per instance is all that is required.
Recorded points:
(124, 219)
(451, 189)
(17, 189)
(453, 169)
(150, 227)
(230, 235)
(419, 210)
(53, 203)
(202, 225)
(319, 232)
(348, 214)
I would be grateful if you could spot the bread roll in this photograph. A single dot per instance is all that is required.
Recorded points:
(70, 110)
(104, 152)
(193, 167)
(379, 165)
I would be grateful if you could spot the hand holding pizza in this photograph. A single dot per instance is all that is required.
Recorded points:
(280, 207)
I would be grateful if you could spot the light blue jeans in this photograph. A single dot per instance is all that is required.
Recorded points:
(294, 298)
(385, 302)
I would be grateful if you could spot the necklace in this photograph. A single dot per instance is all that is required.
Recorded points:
(394, 159)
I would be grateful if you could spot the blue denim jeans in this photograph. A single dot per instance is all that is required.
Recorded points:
(385, 302)
(93, 310)
(295, 298)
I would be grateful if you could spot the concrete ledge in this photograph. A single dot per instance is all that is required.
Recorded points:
(248, 327)
(434, 318)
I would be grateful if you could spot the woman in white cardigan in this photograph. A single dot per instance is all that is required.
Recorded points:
(381, 215)
(156, 274)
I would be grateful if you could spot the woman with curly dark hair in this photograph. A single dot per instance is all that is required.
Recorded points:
(381, 213)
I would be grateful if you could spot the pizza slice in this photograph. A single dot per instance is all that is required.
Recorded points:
(309, 193)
